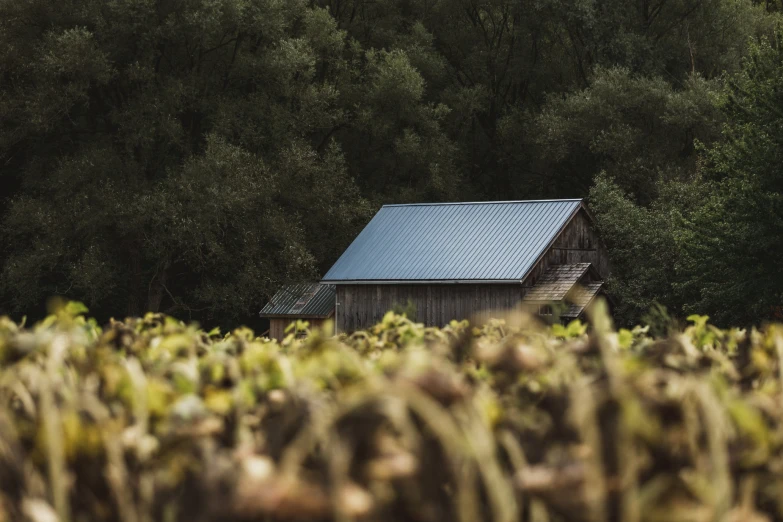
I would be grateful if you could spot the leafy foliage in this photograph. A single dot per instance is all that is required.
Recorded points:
(190, 157)
(155, 171)
(739, 226)
(637, 130)
(154, 419)
(709, 240)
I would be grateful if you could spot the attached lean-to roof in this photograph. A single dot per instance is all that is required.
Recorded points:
(453, 242)
(582, 297)
(312, 300)
(561, 283)
(555, 283)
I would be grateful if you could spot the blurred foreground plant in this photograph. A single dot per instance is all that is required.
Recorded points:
(151, 419)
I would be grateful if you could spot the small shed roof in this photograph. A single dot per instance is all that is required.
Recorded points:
(581, 298)
(301, 300)
(556, 282)
(497, 241)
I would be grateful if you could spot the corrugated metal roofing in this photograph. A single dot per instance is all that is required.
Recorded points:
(302, 300)
(581, 298)
(490, 241)
(556, 282)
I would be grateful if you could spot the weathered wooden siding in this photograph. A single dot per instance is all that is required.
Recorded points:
(277, 326)
(361, 306)
(577, 243)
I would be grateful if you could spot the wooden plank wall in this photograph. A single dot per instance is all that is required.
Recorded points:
(577, 243)
(361, 306)
(277, 326)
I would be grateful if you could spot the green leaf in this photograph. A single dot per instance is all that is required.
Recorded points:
(558, 330)
(624, 338)
(75, 308)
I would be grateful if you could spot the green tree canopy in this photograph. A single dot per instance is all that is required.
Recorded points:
(191, 156)
(710, 241)
(639, 130)
(738, 227)
(172, 155)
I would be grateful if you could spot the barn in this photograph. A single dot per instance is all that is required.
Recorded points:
(311, 302)
(453, 260)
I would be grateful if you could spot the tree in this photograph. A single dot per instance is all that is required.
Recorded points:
(495, 63)
(639, 131)
(120, 122)
(710, 241)
(644, 245)
(170, 156)
(733, 240)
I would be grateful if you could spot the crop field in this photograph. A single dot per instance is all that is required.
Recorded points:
(151, 419)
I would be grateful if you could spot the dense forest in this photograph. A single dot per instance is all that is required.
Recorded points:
(189, 156)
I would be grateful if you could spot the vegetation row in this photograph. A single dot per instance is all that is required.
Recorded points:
(152, 419)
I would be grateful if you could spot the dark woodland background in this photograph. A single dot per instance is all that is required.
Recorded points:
(190, 156)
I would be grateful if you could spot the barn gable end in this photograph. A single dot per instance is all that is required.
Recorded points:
(577, 242)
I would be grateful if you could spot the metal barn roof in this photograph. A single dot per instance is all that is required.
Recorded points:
(466, 242)
(301, 300)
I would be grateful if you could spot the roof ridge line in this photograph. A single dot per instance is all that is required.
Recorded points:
(483, 202)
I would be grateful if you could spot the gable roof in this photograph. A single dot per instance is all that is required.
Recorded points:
(556, 282)
(301, 300)
(498, 241)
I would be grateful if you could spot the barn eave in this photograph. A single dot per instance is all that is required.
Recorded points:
(422, 282)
